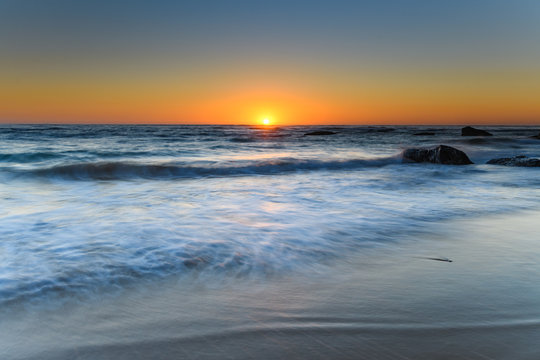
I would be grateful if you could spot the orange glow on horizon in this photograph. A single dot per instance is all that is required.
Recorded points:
(240, 98)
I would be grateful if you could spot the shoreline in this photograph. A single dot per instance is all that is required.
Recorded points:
(384, 302)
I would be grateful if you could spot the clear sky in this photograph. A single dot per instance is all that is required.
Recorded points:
(294, 61)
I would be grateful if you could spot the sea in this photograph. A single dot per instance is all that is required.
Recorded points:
(262, 242)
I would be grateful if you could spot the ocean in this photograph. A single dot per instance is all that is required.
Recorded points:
(138, 241)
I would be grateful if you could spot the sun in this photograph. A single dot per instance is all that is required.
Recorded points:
(266, 121)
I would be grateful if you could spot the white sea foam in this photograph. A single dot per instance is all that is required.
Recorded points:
(259, 208)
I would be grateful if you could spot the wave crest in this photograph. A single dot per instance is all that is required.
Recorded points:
(130, 170)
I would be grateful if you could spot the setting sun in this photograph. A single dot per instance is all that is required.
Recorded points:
(266, 121)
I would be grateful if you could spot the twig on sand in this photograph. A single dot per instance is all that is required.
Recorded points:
(435, 258)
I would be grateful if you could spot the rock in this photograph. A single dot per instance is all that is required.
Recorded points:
(384, 130)
(470, 131)
(537, 136)
(424, 133)
(317, 133)
(441, 154)
(520, 160)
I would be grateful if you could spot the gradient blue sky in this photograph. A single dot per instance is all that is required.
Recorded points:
(295, 61)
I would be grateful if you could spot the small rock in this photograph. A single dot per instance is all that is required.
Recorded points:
(520, 160)
(384, 130)
(441, 154)
(470, 131)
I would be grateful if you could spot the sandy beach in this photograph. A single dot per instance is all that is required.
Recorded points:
(386, 303)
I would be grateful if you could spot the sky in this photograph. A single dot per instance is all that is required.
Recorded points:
(292, 62)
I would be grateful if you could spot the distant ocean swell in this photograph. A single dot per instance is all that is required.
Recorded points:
(132, 170)
(28, 157)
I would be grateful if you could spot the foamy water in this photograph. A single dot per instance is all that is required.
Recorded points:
(167, 242)
(84, 209)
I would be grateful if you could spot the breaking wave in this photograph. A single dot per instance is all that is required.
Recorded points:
(133, 170)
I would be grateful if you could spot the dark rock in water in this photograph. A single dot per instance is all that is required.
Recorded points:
(322, 132)
(424, 133)
(441, 154)
(520, 160)
(470, 131)
(537, 136)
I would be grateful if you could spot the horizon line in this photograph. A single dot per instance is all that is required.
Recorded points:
(264, 126)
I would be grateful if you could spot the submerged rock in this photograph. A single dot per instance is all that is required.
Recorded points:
(537, 136)
(470, 131)
(322, 132)
(520, 160)
(441, 154)
(424, 133)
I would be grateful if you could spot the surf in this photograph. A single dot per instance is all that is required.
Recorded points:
(126, 170)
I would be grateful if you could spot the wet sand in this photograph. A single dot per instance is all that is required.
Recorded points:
(385, 302)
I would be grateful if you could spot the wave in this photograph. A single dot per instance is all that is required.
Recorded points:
(147, 264)
(89, 267)
(131, 170)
